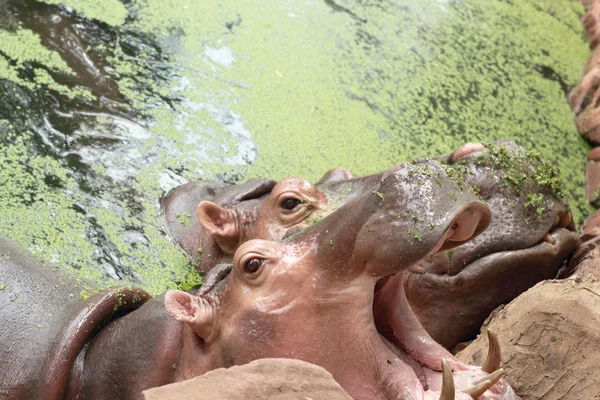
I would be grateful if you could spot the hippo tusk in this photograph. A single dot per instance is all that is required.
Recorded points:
(556, 221)
(548, 239)
(493, 377)
(479, 389)
(494, 357)
(448, 390)
(566, 220)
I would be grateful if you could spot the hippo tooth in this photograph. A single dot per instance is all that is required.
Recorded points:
(566, 220)
(556, 221)
(548, 238)
(448, 391)
(493, 377)
(479, 389)
(492, 362)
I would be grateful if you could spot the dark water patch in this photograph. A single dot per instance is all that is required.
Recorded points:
(75, 158)
(549, 73)
(339, 8)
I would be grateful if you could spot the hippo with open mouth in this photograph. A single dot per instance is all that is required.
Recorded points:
(530, 236)
(323, 295)
(310, 297)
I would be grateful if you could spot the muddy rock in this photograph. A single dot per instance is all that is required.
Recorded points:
(268, 378)
(550, 337)
(592, 181)
(585, 261)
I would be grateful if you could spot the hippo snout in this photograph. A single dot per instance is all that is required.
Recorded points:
(421, 209)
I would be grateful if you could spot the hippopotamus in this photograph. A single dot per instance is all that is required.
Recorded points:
(309, 297)
(326, 289)
(530, 236)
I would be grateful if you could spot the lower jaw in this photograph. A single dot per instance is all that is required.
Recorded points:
(415, 375)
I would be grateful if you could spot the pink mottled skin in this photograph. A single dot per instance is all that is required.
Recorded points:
(313, 296)
(480, 275)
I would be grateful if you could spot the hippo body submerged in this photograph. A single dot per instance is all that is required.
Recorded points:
(55, 345)
(117, 343)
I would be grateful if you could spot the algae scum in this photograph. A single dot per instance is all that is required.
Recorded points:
(105, 105)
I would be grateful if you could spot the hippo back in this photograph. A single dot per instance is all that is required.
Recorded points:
(45, 322)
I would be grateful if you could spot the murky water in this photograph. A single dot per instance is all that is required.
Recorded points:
(104, 105)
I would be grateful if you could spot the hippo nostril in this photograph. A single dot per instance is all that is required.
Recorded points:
(469, 223)
(465, 225)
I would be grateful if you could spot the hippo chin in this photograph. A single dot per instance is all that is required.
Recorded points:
(323, 295)
(530, 236)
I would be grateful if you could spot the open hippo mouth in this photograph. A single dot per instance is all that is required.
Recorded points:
(336, 277)
(469, 223)
(434, 371)
(530, 236)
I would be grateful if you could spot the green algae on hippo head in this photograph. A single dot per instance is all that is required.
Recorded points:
(529, 239)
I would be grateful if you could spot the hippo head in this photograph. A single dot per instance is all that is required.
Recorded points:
(179, 210)
(312, 295)
(217, 220)
(530, 236)
(289, 203)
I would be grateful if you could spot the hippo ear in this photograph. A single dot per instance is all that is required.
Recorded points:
(221, 223)
(194, 311)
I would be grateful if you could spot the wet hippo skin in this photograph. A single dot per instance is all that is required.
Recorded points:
(333, 280)
(451, 293)
(231, 319)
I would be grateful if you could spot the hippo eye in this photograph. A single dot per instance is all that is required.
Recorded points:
(253, 265)
(290, 204)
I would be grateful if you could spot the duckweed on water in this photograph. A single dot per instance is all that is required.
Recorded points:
(234, 90)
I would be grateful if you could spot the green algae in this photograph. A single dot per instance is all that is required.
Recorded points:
(365, 95)
(23, 47)
(45, 220)
(275, 89)
(111, 12)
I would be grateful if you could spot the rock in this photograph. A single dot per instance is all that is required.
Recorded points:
(269, 378)
(592, 181)
(590, 21)
(585, 261)
(586, 257)
(594, 154)
(588, 122)
(550, 339)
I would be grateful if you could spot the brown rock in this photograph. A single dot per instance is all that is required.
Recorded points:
(269, 378)
(594, 154)
(550, 339)
(592, 181)
(593, 61)
(588, 122)
(585, 261)
(591, 21)
(591, 226)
